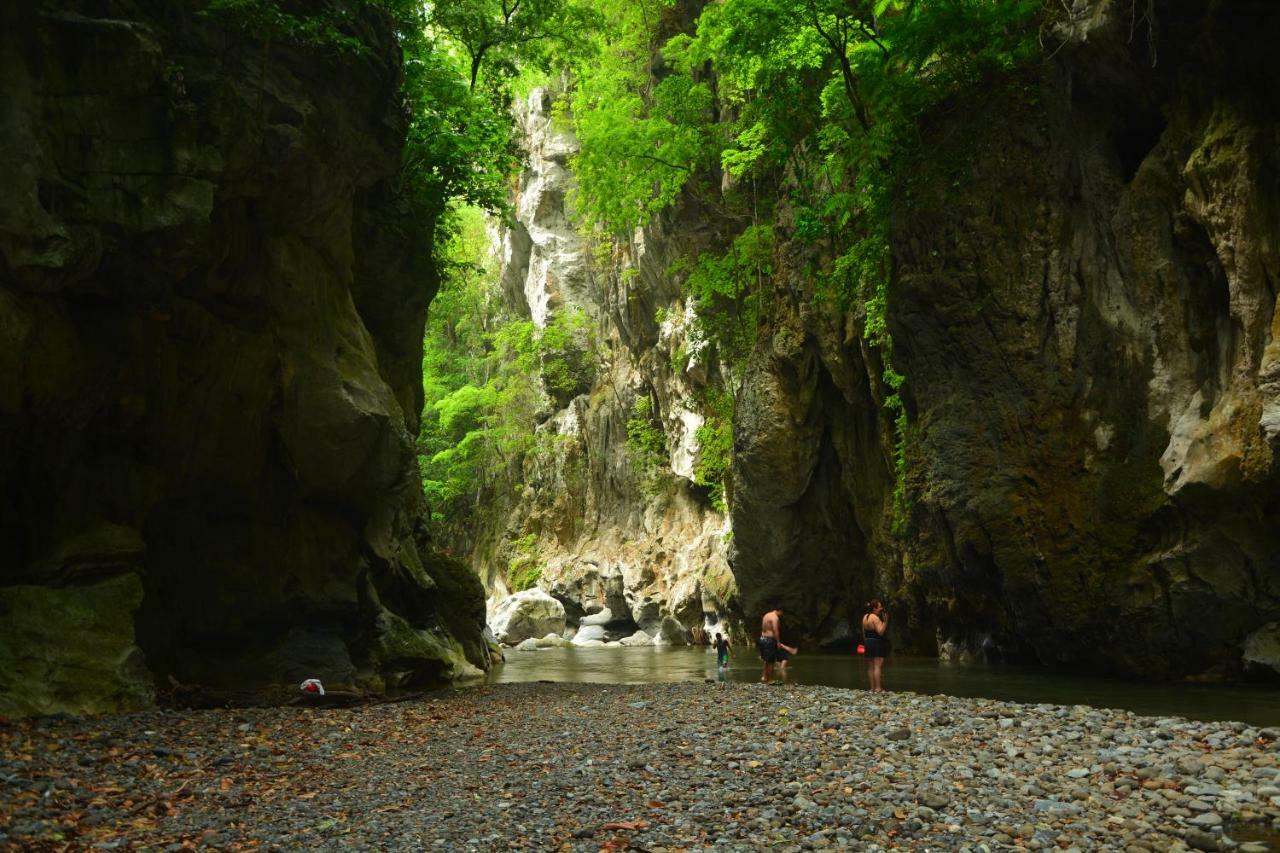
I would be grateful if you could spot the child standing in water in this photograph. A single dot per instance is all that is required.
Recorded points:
(722, 651)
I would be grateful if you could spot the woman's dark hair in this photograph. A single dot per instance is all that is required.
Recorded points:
(873, 605)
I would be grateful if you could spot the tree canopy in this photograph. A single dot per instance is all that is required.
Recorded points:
(795, 120)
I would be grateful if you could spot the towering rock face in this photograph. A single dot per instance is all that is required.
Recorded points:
(211, 309)
(1084, 306)
(607, 531)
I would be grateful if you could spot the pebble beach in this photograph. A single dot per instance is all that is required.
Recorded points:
(646, 767)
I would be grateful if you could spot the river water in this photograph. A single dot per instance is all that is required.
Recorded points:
(1257, 705)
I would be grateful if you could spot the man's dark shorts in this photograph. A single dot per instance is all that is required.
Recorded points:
(769, 651)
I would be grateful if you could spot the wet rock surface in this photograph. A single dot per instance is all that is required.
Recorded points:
(654, 767)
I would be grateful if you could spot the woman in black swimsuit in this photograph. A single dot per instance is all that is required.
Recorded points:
(874, 625)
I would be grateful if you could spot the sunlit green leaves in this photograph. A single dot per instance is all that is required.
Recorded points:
(726, 290)
(488, 376)
(502, 36)
(641, 140)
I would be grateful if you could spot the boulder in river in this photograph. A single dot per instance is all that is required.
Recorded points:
(639, 638)
(602, 617)
(525, 615)
(589, 634)
(671, 633)
(553, 641)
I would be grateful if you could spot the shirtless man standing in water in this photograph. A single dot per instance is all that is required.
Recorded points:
(771, 648)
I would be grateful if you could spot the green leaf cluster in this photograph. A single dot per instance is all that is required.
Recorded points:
(715, 447)
(505, 36)
(646, 440)
(488, 378)
(567, 360)
(641, 139)
(726, 290)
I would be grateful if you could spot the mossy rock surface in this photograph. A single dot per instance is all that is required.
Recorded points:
(71, 649)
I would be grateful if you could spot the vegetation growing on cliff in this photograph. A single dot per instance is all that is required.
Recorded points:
(715, 443)
(797, 118)
(523, 569)
(794, 118)
(487, 376)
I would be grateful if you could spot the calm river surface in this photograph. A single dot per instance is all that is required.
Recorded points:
(1258, 705)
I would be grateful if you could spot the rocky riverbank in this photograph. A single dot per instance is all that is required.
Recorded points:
(653, 767)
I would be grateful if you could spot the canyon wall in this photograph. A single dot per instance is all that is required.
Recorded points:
(609, 530)
(211, 312)
(1083, 302)
(1084, 306)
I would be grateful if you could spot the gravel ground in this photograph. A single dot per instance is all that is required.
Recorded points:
(647, 767)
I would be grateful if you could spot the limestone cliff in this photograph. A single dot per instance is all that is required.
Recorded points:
(609, 531)
(211, 309)
(1084, 306)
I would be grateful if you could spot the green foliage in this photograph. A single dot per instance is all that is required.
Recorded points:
(641, 140)
(461, 142)
(726, 291)
(487, 377)
(646, 441)
(894, 405)
(818, 100)
(480, 396)
(715, 443)
(524, 570)
(566, 349)
(507, 35)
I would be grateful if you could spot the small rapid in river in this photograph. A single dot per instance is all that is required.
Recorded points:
(1247, 703)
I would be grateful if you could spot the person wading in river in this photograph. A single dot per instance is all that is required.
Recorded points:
(771, 648)
(874, 625)
(722, 651)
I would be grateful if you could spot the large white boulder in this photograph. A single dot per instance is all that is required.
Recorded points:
(639, 638)
(589, 634)
(525, 615)
(603, 617)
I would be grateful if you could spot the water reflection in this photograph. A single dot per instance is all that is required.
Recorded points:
(1258, 705)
